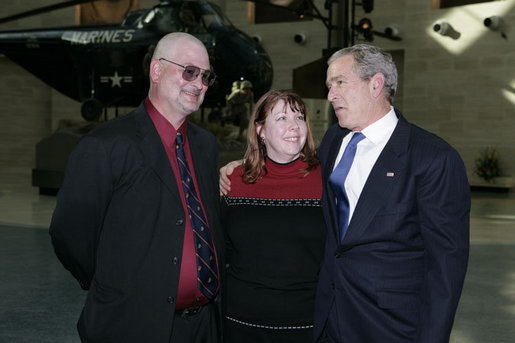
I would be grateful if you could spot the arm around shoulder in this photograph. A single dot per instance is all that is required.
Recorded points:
(225, 172)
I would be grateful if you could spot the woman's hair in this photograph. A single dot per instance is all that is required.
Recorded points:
(254, 165)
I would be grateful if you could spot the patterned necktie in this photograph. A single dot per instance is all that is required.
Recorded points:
(337, 182)
(207, 271)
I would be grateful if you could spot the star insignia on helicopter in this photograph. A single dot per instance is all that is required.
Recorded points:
(116, 80)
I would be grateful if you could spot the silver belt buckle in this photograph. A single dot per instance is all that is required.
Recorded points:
(190, 311)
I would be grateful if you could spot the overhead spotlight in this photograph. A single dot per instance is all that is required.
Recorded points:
(441, 27)
(392, 30)
(257, 38)
(493, 23)
(368, 5)
(300, 38)
(365, 27)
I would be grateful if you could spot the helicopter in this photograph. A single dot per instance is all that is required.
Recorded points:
(106, 65)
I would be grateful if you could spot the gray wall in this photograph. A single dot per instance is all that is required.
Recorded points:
(463, 90)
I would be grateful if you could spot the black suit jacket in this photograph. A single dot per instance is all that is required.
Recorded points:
(398, 275)
(119, 224)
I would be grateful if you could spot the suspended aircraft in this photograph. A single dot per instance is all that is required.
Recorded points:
(107, 65)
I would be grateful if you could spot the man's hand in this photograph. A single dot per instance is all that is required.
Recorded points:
(225, 171)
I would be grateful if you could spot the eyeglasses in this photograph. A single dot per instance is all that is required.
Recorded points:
(191, 73)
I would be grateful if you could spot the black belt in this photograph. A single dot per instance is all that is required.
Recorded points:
(188, 312)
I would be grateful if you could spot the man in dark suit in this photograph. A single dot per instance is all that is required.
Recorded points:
(397, 244)
(122, 225)
(398, 223)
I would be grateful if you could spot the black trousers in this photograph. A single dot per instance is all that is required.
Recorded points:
(202, 327)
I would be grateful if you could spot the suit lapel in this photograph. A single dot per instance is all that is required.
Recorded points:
(154, 150)
(204, 172)
(387, 172)
(334, 148)
(197, 154)
(333, 151)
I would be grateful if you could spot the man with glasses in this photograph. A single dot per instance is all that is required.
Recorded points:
(137, 217)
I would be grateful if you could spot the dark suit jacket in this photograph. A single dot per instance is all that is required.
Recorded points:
(398, 275)
(119, 224)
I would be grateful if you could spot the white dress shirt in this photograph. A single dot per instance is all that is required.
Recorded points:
(367, 152)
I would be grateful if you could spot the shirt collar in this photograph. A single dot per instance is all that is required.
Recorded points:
(381, 129)
(165, 130)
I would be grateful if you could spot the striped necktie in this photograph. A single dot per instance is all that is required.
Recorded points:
(207, 271)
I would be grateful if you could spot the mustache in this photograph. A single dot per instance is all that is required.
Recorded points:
(193, 90)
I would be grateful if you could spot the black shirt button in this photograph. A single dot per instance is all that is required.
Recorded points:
(170, 300)
(179, 222)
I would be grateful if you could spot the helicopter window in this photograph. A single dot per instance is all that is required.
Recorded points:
(190, 19)
(150, 16)
(187, 16)
(212, 16)
(132, 18)
(167, 20)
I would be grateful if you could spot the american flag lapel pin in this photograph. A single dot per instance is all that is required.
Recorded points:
(390, 174)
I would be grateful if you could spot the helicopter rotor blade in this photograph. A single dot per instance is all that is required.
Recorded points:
(43, 9)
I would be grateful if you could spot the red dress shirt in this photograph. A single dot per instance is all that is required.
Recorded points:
(188, 294)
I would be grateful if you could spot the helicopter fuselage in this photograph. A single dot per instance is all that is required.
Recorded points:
(109, 63)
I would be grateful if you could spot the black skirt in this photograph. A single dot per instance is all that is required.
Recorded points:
(238, 332)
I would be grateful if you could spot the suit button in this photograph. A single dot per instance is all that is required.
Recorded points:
(179, 222)
(175, 260)
(337, 255)
(170, 300)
